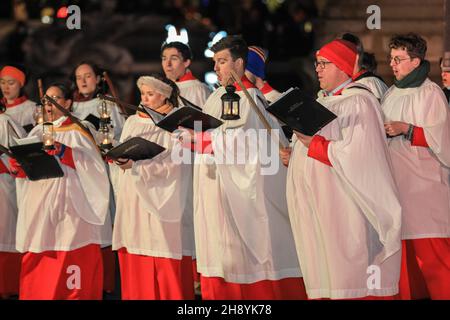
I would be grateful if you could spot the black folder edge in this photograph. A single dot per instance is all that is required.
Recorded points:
(94, 120)
(110, 153)
(187, 119)
(289, 123)
(32, 169)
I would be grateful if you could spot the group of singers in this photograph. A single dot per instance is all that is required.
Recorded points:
(359, 210)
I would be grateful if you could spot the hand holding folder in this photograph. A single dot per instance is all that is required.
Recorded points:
(34, 160)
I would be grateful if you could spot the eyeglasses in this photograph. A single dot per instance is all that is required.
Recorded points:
(396, 59)
(322, 64)
(47, 102)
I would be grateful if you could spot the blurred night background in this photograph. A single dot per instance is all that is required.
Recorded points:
(124, 37)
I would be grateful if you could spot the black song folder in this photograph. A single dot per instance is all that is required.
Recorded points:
(184, 116)
(94, 120)
(36, 163)
(135, 149)
(28, 127)
(301, 112)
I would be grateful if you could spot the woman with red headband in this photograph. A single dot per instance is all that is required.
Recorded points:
(18, 107)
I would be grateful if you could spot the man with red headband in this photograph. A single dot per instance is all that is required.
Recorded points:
(342, 199)
(18, 107)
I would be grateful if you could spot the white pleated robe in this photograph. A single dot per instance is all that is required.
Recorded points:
(376, 86)
(8, 200)
(347, 217)
(194, 91)
(82, 109)
(242, 229)
(154, 203)
(422, 174)
(23, 113)
(67, 213)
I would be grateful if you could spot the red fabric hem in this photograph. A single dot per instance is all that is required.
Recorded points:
(155, 278)
(215, 288)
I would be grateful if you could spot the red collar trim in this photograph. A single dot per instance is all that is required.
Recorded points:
(355, 76)
(16, 102)
(78, 97)
(266, 88)
(187, 76)
(143, 115)
(67, 122)
(247, 84)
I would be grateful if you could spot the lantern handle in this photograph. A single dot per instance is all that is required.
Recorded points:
(255, 107)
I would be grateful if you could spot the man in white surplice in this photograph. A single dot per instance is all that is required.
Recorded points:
(418, 122)
(343, 202)
(244, 243)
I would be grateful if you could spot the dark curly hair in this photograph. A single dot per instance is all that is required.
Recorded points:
(415, 45)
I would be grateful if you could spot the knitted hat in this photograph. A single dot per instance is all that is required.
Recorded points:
(256, 59)
(340, 52)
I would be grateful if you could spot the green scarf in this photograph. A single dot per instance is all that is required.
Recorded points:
(415, 78)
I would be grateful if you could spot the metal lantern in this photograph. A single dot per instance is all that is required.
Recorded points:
(48, 136)
(39, 113)
(104, 110)
(105, 135)
(230, 104)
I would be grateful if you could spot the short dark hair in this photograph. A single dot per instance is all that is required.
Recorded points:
(182, 48)
(67, 94)
(236, 44)
(369, 62)
(350, 37)
(415, 45)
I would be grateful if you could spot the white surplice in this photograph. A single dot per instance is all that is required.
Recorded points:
(242, 229)
(346, 218)
(8, 200)
(154, 203)
(422, 174)
(67, 213)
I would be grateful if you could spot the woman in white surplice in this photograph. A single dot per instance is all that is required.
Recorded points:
(60, 225)
(153, 230)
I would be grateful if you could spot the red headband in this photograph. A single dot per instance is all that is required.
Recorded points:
(13, 73)
(342, 53)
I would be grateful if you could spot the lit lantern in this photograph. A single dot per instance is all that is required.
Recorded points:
(48, 136)
(230, 104)
(105, 135)
(39, 113)
(104, 111)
